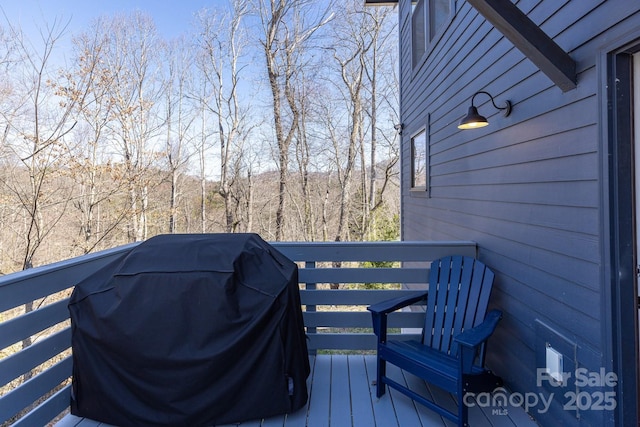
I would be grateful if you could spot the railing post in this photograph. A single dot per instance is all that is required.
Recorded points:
(311, 308)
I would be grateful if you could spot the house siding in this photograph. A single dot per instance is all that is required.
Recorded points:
(529, 187)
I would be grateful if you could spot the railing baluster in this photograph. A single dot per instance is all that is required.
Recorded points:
(311, 330)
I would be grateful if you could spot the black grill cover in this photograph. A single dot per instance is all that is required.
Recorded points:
(189, 330)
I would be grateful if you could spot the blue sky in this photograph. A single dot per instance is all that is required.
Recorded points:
(171, 17)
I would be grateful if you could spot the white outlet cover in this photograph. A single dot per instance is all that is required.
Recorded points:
(554, 364)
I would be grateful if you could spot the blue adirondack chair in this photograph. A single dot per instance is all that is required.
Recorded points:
(452, 351)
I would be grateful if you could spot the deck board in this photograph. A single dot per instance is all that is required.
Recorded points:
(405, 408)
(361, 392)
(340, 411)
(320, 393)
(342, 394)
(427, 418)
(383, 411)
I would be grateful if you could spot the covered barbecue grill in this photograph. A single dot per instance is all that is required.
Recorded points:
(189, 330)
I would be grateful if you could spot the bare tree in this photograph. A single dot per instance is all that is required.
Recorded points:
(358, 32)
(8, 59)
(133, 56)
(288, 26)
(308, 155)
(87, 85)
(349, 55)
(202, 145)
(303, 158)
(35, 127)
(383, 32)
(179, 119)
(221, 43)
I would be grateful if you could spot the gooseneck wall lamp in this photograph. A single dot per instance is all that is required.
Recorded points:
(474, 120)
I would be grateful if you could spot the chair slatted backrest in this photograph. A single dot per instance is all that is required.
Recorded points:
(459, 289)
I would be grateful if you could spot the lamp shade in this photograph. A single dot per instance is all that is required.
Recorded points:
(473, 120)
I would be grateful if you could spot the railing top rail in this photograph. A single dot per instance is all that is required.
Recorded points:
(296, 249)
(44, 270)
(38, 282)
(374, 251)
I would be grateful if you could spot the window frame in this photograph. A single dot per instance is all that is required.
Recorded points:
(422, 137)
(431, 36)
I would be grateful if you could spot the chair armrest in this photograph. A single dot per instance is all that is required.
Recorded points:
(475, 336)
(380, 310)
(388, 306)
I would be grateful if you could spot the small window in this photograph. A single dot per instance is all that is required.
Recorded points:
(418, 32)
(419, 161)
(427, 20)
(439, 11)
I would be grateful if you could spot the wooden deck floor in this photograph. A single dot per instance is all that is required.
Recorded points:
(342, 393)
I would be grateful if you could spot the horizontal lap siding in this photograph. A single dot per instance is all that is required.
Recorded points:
(528, 187)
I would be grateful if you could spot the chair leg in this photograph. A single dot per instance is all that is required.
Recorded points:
(381, 373)
(463, 410)
(463, 414)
